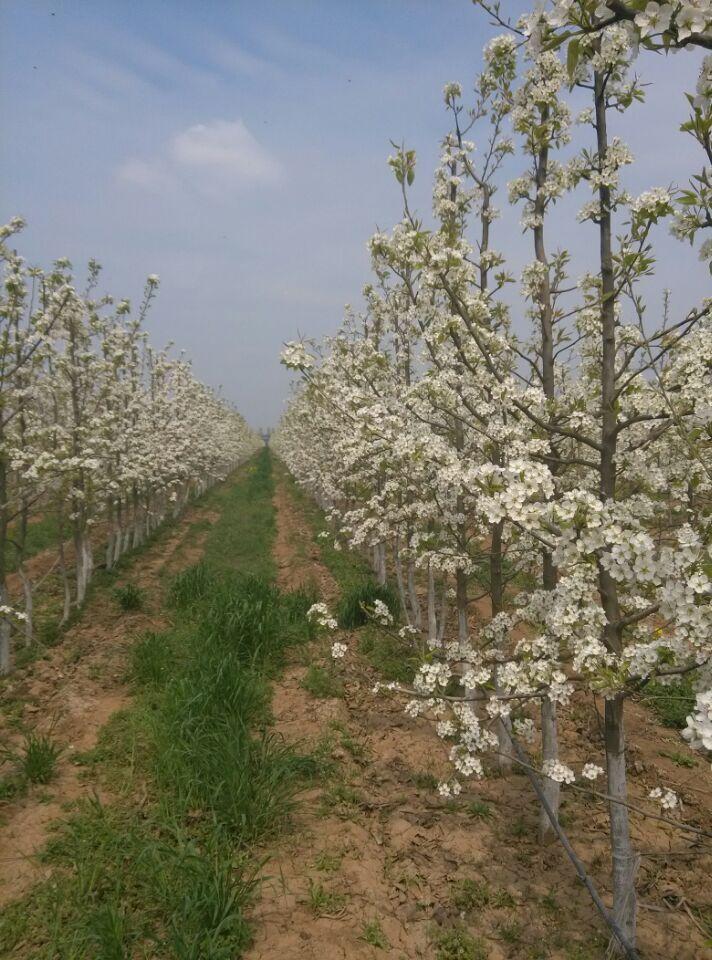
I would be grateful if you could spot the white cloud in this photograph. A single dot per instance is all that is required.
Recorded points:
(224, 145)
(222, 149)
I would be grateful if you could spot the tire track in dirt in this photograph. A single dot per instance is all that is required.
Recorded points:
(73, 691)
(383, 847)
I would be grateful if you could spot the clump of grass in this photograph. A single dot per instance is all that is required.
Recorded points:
(38, 757)
(510, 931)
(671, 702)
(12, 787)
(470, 895)
(323, 901)
(151, 657)
(425, 781)
(356, 748)
(107, 931)
(322, 683)
(457, 944)
(502, 900)
(327, 862)
(296, 603)
(341, 799)
(680, 759)
(351, 614)
(479, 810)
(392, 657)
(519, 827)
(190, 586)
(373, 934)
(129, 597)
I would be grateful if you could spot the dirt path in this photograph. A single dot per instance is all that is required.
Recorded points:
(295, 553)
(73, 691)
(378, 866)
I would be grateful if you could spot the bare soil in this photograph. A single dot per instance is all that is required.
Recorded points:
(72, 692)
(378, 844)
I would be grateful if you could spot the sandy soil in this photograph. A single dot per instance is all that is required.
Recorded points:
(73, 690)
(295, 553)
(381, 840)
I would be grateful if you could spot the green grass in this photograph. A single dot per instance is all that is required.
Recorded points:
(323, 901)
(351, 613)
(680, 759)
(242, 539)
(190, 586)
(41, 535)
(321, 682)
(373, 934)
(34, 762)
(151, 659)
(469, 895)
(392, 657)
(129, 597)
(424, 780)
(458, 944)
(167, 870)
(327, 862)
(671, 703)
(38, 757)
(479, 810)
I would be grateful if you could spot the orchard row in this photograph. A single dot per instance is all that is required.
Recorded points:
(556, 482)
(99, 432)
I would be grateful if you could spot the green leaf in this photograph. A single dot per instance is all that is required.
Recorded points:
(573, 54)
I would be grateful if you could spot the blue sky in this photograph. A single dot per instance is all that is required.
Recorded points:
(238, 150)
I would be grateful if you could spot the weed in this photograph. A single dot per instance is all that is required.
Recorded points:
(681, 759)
(393, 658)
(341, 799)
(151, 657)
(470, 895)
(671, 702)
(479, 810)
(107, 931)
(357, 749)
(519, 828)
(41, 533)
(457, 944)
(502, 900)
(12, 787)
(322, 683)
(190, 586)
(38, 757)
(129, 597)
(327, 862)
(296, 603)
(323, 901)
(510, 932)
(424, 781)
(351, 613)
(549, 902)
(373, 934)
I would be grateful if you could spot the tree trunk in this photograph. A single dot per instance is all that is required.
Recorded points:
(28, 607)
(432, 612)
(66, 589)
(417, 613)
(549, 751)
(398, 564)
(624, 858)
(624, 861)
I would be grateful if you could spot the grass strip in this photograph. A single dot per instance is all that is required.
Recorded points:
(167, 868)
